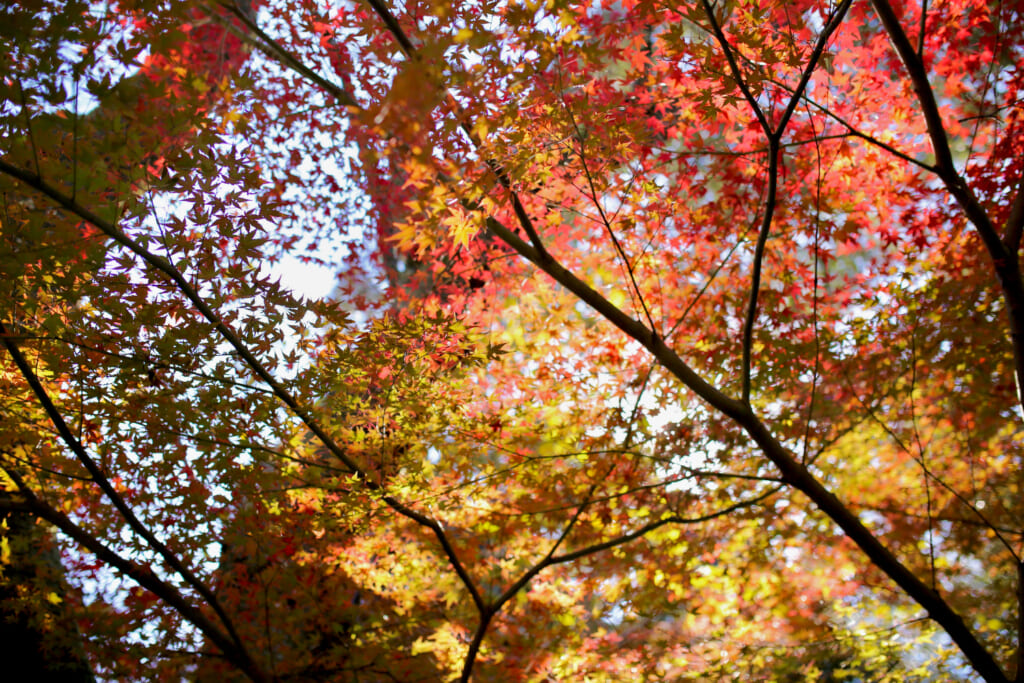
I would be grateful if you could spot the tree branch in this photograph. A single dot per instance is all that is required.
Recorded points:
(755, 278)
(668, 358)
(162, 265)
(100, 479)
(944, 165)
(607, 223)
(1015, 222)
(1004, 262)
(734, 68)
(793, 472)
(919, 80)
(495, 607)
(409, 50)
(774, 152)
(276, 51)
(648, 528)
(143, 576)
(812, 63)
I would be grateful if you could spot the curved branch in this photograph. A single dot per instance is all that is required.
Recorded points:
(550, 559)
(1005, 263)
(100, 479)
(734, 68)
(648, 528)
(164, 266)
(140, 575)
(755, 278)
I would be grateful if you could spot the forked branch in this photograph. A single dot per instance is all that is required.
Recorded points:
(164, 266)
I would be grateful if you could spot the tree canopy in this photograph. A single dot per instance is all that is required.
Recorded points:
(665, 341)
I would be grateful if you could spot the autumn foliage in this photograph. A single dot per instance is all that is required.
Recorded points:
(663, 341)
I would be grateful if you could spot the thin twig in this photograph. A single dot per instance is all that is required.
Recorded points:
(604, 218)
